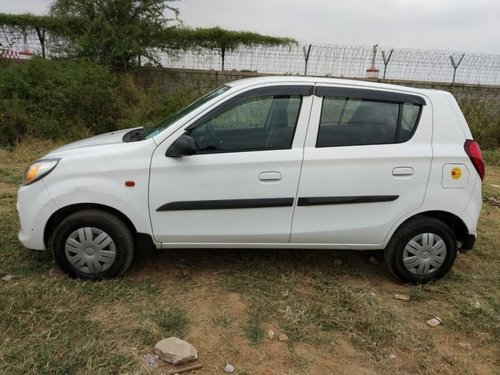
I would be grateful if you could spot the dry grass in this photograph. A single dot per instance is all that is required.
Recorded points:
(339, 318)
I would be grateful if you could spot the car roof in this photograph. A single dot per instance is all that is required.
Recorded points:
(248, 82)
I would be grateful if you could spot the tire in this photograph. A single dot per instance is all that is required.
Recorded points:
(93, 245)
(421, 250)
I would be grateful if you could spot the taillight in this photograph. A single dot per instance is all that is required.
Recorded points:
(474, 152)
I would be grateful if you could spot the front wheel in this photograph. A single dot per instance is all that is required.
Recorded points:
(423, 249)
(93, 245)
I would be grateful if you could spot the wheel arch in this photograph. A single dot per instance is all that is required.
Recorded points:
(57, 217)
(455, 223)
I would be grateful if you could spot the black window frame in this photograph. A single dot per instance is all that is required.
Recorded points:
(374, 96)
(278, 90)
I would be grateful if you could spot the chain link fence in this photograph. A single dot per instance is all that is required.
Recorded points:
(313, 59)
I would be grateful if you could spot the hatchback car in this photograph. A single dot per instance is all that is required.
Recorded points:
(269, 162)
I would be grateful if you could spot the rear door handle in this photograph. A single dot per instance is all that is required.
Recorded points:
(270, 176)
(402, 171)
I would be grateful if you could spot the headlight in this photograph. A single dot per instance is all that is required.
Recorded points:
(38, 170)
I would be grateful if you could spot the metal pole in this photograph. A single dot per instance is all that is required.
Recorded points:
(455, 67)
(374, 55)
(386, 60)
(223, 56)
(307, 52)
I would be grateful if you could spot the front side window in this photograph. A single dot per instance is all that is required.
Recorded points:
(349, 121)
(165, 123)
(259, 123)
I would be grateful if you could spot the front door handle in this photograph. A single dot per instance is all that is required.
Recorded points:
(270, 176)
(402, 171)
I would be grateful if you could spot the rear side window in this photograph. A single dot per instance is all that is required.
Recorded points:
(409, 119)
(350, 121)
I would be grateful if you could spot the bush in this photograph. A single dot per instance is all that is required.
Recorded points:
(58, 99)
(492, 157)
(68, 99)
(483, 118)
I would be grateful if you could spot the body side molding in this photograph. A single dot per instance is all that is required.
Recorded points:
(317, 201)
(224, 204)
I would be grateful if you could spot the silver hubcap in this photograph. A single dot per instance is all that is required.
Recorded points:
(90, 250)
(424, 254)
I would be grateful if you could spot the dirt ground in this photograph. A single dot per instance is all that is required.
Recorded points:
(315, 352)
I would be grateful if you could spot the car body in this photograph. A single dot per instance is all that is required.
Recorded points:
(269, 162)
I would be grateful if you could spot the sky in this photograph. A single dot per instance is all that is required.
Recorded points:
(461, 25)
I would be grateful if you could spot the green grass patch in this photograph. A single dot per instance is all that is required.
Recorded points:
(492, 157)
(473, 313)
(172, 321)
(254, 331)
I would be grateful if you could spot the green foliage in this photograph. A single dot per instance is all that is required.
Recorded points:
(41, 25)
(58, 25)
(219, 39)
(60, 99)
(483, 118)
(492, 157)
(117, 32)
(172, 321)
(254, 332)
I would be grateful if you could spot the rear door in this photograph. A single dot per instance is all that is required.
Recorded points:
(241, 184)
(366, 163)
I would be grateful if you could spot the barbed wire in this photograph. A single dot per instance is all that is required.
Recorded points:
(348, 61)
(335, 60)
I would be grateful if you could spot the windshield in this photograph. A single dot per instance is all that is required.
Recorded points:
(169, 120)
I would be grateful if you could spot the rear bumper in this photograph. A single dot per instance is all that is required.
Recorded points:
(470, 217)
(468, 244)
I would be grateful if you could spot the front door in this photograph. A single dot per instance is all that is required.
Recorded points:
(241, 184)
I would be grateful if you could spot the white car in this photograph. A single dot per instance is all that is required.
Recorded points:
(269, 162)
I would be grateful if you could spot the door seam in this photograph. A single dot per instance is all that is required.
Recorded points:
(295, 200)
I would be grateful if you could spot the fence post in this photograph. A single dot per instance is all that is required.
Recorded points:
(307, 52)
(455, 66)
(223, 56)
(386, 60)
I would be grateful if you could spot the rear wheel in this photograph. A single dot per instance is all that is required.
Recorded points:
(93, 245)
(423, 249)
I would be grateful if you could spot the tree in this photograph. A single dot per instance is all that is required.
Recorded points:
(117, 32)
(41, 25)
(219, 39)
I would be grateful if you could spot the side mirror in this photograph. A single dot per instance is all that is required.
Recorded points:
(183, 146)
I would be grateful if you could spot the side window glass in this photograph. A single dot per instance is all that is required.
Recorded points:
(339, 110)
(261, 123)
(353, 121)
(293, 110)
(409, 119)
(251, 114)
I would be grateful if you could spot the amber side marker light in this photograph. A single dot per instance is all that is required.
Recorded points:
(129, 183)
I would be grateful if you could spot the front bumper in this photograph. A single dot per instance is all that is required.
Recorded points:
(34, 207)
